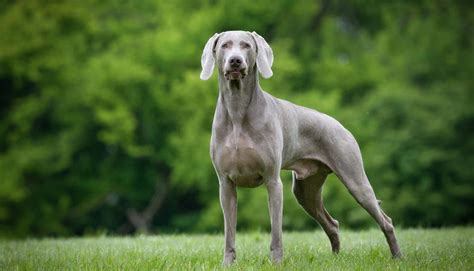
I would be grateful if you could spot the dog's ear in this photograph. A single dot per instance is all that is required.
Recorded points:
(207, 59)
(264, 56)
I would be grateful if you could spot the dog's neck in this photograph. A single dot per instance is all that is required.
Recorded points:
(236, 96)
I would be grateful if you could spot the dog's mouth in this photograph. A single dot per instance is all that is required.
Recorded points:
(235, 74)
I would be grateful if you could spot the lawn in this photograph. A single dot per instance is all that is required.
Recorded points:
(425, 249)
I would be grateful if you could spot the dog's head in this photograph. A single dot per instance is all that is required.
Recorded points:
(236, 54)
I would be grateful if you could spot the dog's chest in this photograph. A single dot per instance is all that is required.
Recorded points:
(240, 158)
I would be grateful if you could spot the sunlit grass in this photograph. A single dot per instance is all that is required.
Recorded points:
(445, 249)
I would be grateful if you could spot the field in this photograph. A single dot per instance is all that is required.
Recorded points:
(424, 249)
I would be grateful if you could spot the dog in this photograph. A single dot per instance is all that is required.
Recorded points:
(255, 135)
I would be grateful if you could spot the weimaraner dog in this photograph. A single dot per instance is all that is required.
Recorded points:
(255, 135)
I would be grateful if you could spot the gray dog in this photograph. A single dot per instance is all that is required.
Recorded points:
(255, 135)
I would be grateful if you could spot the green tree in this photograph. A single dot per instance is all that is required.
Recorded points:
(105, 125)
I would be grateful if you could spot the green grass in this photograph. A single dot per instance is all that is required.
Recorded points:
(445, 249)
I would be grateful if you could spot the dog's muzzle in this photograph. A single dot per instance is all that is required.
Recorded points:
(235, 74)
(236, 68)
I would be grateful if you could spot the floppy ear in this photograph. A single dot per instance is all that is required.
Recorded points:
(207, 59)
(264, 56)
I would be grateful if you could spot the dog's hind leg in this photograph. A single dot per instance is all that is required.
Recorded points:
(308, 192)
(360, 188)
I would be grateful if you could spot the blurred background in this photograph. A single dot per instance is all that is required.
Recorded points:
(105, 125)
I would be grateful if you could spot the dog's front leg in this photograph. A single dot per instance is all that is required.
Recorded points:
(228, 198)
(275, 204)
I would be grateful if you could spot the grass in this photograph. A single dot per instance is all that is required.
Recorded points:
(425, 249)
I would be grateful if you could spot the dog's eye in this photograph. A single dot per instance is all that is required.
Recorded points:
(225, 45)
(245, 45)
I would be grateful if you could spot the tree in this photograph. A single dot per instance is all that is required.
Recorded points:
(105, 125)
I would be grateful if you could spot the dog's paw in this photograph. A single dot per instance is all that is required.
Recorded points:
(397, 255)
(229, 259)
(276, 256)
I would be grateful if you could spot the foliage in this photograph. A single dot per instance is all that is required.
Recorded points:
(105, 125)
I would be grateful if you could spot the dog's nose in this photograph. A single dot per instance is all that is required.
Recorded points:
(235, 61)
